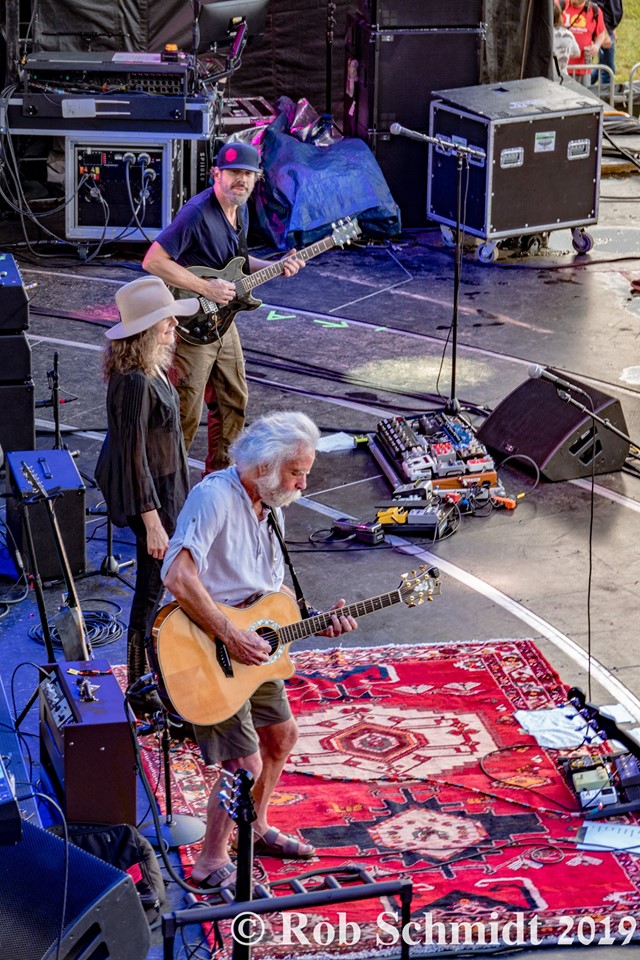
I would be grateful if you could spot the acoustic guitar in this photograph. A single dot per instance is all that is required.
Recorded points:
(204, 684)
(214, 319)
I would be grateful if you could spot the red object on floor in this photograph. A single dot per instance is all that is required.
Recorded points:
(410, 763)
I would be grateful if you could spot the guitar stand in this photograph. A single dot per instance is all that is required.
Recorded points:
(339, 886)
(177, 830)
(37, 584)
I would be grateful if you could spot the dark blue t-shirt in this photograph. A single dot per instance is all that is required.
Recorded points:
(200, 234)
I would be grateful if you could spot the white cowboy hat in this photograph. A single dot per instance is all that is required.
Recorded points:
(145, 302)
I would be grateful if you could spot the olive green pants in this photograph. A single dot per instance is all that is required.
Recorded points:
(213, 373)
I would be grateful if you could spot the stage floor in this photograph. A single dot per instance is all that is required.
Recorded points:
(364, 334)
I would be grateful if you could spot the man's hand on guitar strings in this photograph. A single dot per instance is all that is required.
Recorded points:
(220, 291)
(248, 647)
(291, 264)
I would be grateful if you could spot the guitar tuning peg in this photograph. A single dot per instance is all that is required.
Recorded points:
(414, 573)
(420, 600)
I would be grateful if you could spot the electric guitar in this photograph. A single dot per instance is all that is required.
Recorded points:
(69, 621)
(204, 684)
(214, 319)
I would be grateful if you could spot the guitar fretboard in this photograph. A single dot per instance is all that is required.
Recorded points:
(248, 282)
(306, 628)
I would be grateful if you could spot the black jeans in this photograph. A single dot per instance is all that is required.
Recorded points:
(148, 582)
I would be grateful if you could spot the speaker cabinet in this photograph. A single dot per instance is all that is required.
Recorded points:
(57, 472)
(403, 165)
(392, 14)
(17, 414)
(392, 73)
(15, 358)
(390, 76)
(564, 442)
(103, 917)
(14, 306)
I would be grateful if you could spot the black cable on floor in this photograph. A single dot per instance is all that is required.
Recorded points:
(102, 628)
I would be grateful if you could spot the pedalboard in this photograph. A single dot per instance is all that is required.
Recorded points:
(438, 448)
(605, 786)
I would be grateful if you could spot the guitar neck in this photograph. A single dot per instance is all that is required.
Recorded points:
(249, 281)
(316, 624)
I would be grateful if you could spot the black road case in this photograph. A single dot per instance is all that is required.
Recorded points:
(542, 167)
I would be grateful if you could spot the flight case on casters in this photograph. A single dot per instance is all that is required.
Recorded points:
(542, 168)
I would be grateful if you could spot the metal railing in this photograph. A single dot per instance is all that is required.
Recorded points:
(635, 67)
(584, 68)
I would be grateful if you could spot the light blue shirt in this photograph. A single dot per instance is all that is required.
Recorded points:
(236, 555)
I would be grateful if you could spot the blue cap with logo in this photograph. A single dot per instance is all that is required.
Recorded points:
(238, 156)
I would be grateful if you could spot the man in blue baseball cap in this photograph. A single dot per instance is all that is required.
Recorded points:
(209, 231)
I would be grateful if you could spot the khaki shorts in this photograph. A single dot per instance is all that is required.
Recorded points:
(237, 737)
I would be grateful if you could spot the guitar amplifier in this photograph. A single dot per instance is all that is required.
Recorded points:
(85, 745)
(58, 473)
(14, 308)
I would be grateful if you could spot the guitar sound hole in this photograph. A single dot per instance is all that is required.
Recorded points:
(268, 634)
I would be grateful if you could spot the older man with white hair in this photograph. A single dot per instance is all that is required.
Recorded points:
(225, 550)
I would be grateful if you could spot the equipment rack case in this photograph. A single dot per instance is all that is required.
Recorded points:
(542, 168)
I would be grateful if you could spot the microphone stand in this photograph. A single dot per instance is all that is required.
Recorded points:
(566, 396)
(462, 155)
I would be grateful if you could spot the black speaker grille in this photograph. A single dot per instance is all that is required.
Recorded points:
(103, 918)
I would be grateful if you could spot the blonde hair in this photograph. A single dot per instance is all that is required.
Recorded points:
(139, 352)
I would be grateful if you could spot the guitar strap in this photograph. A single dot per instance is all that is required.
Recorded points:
(243, 246)
(272, 520)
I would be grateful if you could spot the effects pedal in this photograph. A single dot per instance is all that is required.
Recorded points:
(579, 764)
(362, 531)
(628, 770)
(598, 798)
(590, 780)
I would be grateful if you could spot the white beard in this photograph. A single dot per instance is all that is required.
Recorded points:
(271, 492)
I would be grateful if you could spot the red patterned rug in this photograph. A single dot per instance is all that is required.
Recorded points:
(410, 763)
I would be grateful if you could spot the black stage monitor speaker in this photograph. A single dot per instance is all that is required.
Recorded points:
(57, 472)
(103, 917)
(535, 422)
(17, 413)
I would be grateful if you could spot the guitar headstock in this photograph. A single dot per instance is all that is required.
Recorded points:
(344, 231)
(420, 585)
(236, 798)
(32, 479)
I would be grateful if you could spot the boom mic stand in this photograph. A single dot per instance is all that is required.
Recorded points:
(462, 154)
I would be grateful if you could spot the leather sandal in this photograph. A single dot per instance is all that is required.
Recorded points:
(223, 877)
(274, 843)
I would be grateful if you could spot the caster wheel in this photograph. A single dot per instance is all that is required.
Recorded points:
(582, 241)
(531, 245)
(447, 236)
(487, 253)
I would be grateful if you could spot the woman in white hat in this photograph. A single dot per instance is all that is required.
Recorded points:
(142, 468)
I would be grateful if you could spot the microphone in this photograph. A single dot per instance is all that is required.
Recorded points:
(536, 372)
(396, 129)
